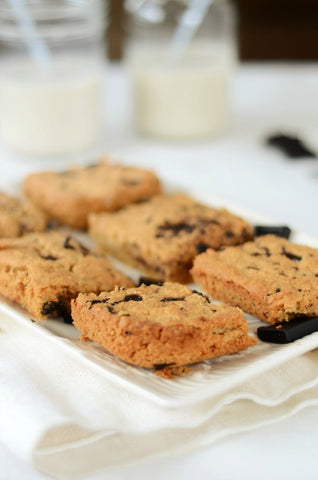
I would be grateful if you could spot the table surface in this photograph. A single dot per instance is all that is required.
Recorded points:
(268, 98)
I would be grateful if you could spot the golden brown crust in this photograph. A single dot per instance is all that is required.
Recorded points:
(160, 326)
(162, 236)
(42, 272)
(270, 278)
(71, 195)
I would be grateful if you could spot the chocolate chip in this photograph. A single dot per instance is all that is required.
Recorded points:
(280, 231)
(48, 257)
(267, 253)
(196, 292)
(93, 302)
(292, 147)
(67, 244)
(276, 291)
(55, 308)
(160, 366)
(172, 299)
(229, 234)
(201, 247)
(127, 332)
(291, 256)
(128, 298)
(174, 228)
(133, 297)
(149, 281)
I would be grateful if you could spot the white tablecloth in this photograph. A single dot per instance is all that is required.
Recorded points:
(241, 168)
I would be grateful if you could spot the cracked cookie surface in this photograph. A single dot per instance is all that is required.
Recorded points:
(43, 272)
(69, 196)
(161, 327)
(162, 236)
(270, 278)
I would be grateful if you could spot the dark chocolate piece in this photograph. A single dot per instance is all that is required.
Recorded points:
(149, 281)
(93, 302)
(56, 308)
(133, 297)
(201, 247)
(161, 366)
(174, 228)
(67, 244)
(291, 256)
(172, 299)
(288, 332)
(292, 147)
(278, 230)
(196, 292)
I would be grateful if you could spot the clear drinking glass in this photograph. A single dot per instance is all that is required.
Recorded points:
(181, 56)
(51, 66)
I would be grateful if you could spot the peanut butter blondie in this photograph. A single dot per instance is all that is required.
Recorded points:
(162, 327)
(43, 272)
(71, 195)
(162, 235)
(270, 278)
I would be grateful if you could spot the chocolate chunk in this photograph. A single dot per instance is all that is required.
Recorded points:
(201, 295)
(67, 244)
(48, 257)
(172, 299)
(148, 281)
(288, 332)
(292, 147)
(174, 228)
(93, 302)
(201, 247)
(133, 297)
(161, 366)
(278, 230)
(291, 256)
(55, 308)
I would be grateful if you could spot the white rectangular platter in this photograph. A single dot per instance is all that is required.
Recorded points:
(205, 380)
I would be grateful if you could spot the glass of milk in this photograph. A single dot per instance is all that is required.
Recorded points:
(181, 56)
(51, 71)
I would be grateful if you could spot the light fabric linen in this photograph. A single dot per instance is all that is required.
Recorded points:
(69, 420)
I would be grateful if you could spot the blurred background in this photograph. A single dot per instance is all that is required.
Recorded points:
(267, 29)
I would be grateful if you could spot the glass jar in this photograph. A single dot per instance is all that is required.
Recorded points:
(50, 75)
(181, 55)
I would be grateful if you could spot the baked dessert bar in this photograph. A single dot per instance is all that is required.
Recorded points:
(270, 278)
(43, 271)
(162, 236)
(71, 195)
(162, 327)
(18, 217)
